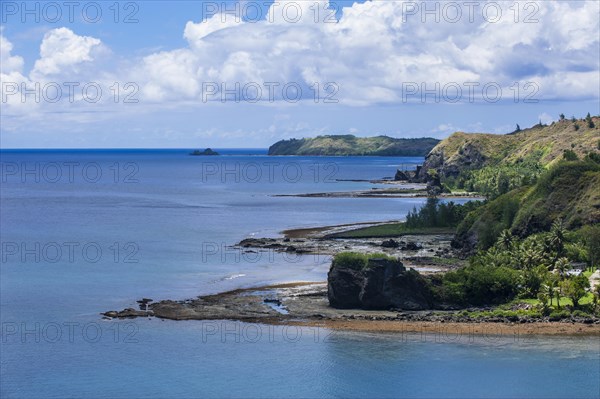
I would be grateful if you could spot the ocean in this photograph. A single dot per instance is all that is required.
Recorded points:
(86, 231)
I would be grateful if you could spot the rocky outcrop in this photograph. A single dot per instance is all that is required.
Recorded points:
(411, 176)
(541, 144)
(468, 157)
(402, 175)
(381, 284)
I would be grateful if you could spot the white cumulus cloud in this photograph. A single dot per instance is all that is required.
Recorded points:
(62, 48)
(375, 48)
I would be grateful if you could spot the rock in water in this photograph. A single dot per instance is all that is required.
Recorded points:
(207, 152)
(381, 284)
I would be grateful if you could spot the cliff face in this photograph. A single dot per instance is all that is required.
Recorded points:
(382, 284)
(347, 145)
(450, 164)
(463, 152)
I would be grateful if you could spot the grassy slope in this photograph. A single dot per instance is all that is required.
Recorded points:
(546, 143)
(351, 145)
(569, 192)
(391, 230)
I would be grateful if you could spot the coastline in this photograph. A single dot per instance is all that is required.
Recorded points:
(305, 304)
(427, 251)
(403, 190)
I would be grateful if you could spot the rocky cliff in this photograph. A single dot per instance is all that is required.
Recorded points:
(381, 283)
(541, 144)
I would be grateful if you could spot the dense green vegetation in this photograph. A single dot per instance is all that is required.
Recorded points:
(493, 181)
(541, 219)
(528, 239)
(568, 191)
(478, 285)
(534, 268)
(346, 145)
(436, 213)
(435, 217)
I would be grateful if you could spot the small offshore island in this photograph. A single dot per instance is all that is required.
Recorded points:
(207, 152)
(524, 260)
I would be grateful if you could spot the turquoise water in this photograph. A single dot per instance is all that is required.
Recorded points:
(89, 231)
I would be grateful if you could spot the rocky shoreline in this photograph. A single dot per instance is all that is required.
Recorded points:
(426, 253)
(401, 190)
(306, 304)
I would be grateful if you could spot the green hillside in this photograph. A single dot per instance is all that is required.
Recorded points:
(347, 145)
(495, 164)
(569, 192)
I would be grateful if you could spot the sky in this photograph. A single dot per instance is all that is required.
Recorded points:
(225, 74)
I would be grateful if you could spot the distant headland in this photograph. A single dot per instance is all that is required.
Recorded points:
(349, 145)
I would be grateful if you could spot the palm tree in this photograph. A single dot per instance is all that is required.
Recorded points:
(505, 240)
(557, 238)
(530, 257)
(562, 265)
(548, 290)
(543, 298)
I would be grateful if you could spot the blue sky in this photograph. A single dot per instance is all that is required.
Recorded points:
(304, 68)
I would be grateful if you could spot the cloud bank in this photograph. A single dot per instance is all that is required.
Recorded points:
(377, 52)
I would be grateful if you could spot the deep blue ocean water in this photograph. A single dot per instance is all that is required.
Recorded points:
(87, 231)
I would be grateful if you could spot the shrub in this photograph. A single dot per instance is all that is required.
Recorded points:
(575, 288)
(570, 155)
(593, 157)
(479, 285)
(580, 313)
(350, 260)
(559, 314)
